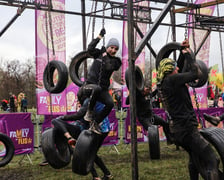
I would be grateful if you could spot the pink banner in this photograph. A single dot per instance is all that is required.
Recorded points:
(49, 103)
(140, 61)
(203, 54)
(19, 127)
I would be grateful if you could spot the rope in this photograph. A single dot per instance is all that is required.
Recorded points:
(94, 21)
(103, 20)
(48, 13)
(90, 19)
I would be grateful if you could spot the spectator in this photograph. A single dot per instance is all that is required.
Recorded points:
(12, 103)
(24, 104)
(4, 104)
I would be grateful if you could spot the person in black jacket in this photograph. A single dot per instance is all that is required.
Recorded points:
(144, 112)
(98, 78)
(183, 122)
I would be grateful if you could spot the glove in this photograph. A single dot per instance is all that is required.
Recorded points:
(102, 32)
(185, 44)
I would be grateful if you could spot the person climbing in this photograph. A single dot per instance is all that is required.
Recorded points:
(183, 123)
(98, 79)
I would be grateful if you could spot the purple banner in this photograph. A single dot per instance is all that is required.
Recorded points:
(142, 134)
(19, 127)
(112, 137)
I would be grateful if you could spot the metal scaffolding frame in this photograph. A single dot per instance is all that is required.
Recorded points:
(130, 12)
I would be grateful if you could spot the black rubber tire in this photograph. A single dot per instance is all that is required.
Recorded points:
(165, 52)
(9, 146)
(55, 148)
(85, 151)
(153, 140)
(201, 82)
(48, 78)
(138, 78)
(215, 136)
(75, 65)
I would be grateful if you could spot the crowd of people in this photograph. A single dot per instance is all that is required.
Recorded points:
(15, 104)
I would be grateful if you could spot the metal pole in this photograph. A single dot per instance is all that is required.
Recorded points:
(83, 9)
(19, 12)
(132, 90)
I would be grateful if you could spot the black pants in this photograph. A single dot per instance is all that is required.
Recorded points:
(92, 91)
(196, 146)
(156, 120)
(99, 162)
(63, 127)
(75, 130)
(97, 94)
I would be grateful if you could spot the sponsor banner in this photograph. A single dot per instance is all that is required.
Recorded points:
(19, 127)
(201, 94)
(112, 137)
(142, 134)
(46, 103)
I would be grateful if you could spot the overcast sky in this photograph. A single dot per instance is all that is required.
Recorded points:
(18, 42)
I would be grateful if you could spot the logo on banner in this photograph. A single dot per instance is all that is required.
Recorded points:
(139, 132)
(21, 136)
(113, 130)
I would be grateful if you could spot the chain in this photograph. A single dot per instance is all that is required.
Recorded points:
(103, 20)
(197, 105)
(186, 22)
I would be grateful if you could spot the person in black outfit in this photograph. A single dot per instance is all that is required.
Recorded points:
(72, 130)
(183, 122)
(145, 114)
(215, 120)
(98, 78)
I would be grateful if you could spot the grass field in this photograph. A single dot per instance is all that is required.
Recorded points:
(172, 165)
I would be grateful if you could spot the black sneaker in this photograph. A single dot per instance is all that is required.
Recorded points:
(213, 120)
(95, 127)
(89, 116)
(107, 177)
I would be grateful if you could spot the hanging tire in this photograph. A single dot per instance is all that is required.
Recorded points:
(6, 150)
(215, 136)
(85, 151)
(138, 78)
(48, 78)
(75, 65)
(153, 140)
(55, 148)
(169, 48)
(201, 82)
